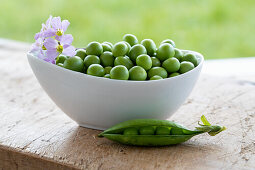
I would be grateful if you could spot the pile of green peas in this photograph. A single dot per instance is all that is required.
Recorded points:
(129, 60)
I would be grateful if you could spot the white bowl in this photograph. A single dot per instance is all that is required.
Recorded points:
(100, 103)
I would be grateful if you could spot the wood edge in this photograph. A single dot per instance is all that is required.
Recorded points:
(11, 158)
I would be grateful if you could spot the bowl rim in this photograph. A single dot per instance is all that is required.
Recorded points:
(29, 54)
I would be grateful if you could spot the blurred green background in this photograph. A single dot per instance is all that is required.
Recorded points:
(216, 28)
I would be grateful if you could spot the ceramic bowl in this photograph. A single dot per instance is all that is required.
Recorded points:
(99, 103)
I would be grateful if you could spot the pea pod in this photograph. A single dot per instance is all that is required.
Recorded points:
(152, 132)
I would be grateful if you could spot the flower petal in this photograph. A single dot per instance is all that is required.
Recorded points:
(37, 45)
(48, 22)
(50, 44)
(39, 41)
(51, 54)
(58, 37)
(65, 24)
(50, 32)
(69, 51)
(66, 45)
(34, 48)
(66, 39)
(56, 23)
(43, 27)
(38, 35)
(49, 60)
(40, 54)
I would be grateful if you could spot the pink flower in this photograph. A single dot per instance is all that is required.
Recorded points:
(45, 27)
(51, 40)
(57, 29)
(37, 48)
(55, 47)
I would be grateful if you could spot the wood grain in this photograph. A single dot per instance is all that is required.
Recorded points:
(35, 134)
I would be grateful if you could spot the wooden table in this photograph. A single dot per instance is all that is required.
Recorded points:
(35, 134)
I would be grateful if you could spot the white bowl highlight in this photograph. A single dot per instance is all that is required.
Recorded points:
(99, 103)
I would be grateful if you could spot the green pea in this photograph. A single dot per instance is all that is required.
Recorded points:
(144, 61)
(174, 74)
(96, 70)
(130, 131)
(74, 63)
(128, 46)
(177, 131)
(131, 39)
(94, 48)
(60, 64)
(150, 46)
(108, 43)
(186, 66)
(106, 59)
(147, 130)
(178, 54)
(168, 41)
(119, 72)
(165, 51)
(107, 76)
(119, 49)
(106, 47)
(61, 59)
(191, 58)
(81, 53)
(107, 69)
(157, 71)
(123, 60)
(161, 130)
(156, 77)
(155, 62)
(91, 59)
(171, 65)
(135, 51)
(137, 73)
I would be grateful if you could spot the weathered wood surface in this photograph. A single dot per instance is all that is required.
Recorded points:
(35, 134)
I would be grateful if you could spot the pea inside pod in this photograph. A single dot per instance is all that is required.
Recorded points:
(152, 132)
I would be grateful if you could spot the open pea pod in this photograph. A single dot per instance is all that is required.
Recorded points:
(152, 132)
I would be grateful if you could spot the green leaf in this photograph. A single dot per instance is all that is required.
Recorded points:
(215, 133)
(205, 121)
